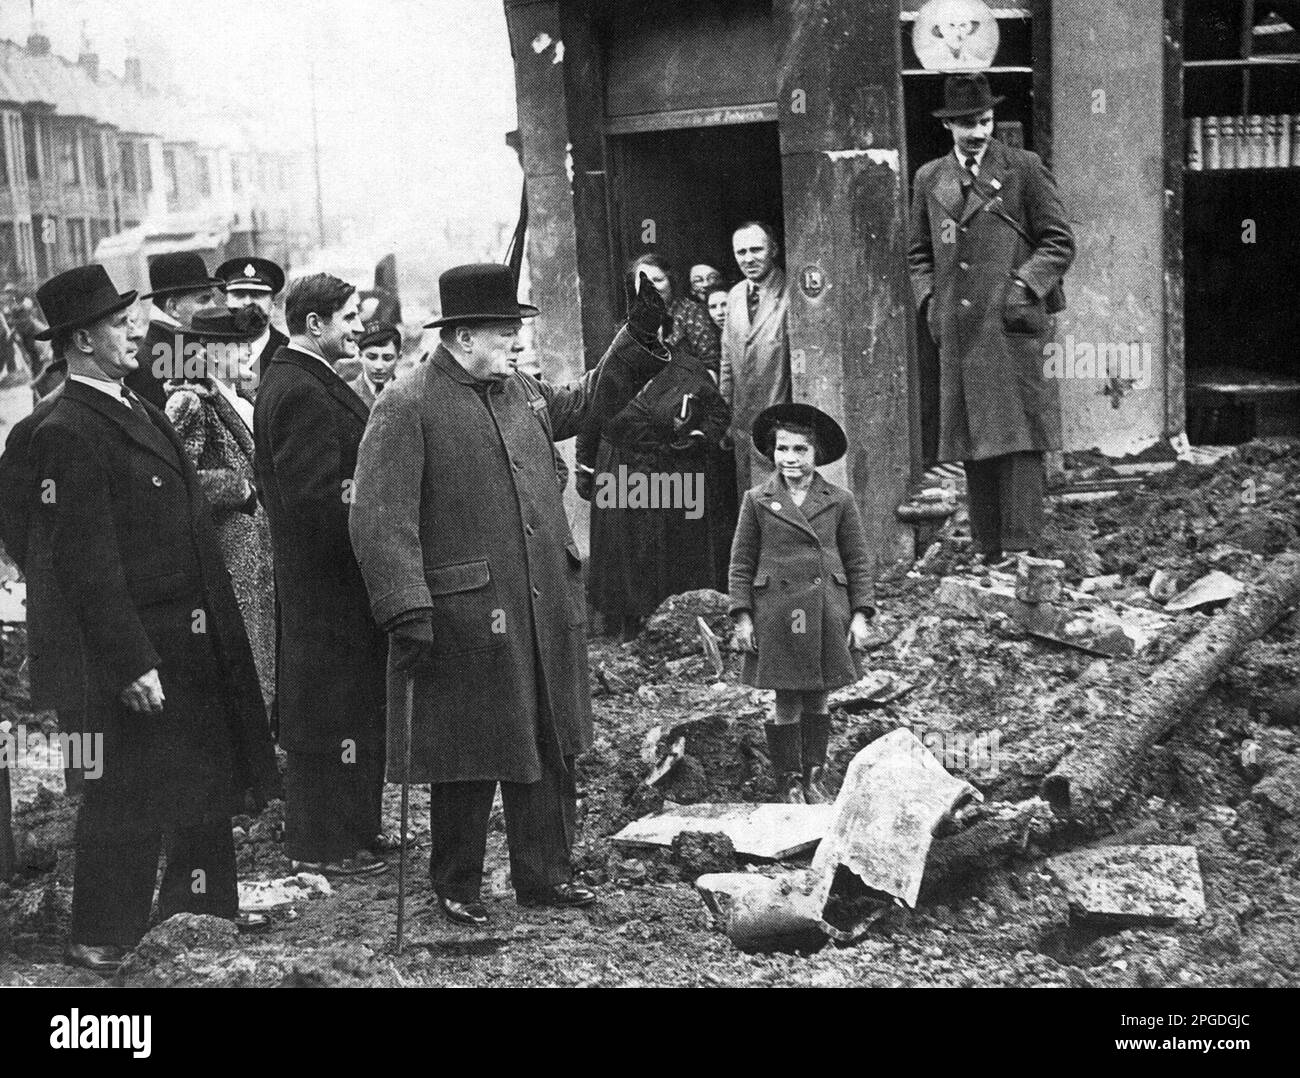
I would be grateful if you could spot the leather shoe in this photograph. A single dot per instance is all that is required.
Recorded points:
(249, 921)
(474, 914)
(564, 895)
(349, 866)
(102, 960)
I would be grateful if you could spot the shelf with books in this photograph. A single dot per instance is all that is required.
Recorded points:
(1235, 143)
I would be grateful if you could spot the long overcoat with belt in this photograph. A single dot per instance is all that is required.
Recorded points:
(330, 667)
(994, 397)
(458, 514)
(125, 575)
(801, 571)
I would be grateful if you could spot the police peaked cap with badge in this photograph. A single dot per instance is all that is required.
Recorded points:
(251, 274)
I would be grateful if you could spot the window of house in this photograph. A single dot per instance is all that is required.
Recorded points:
(4, 151)
(10, 263)
(172, 177)
(98, 162)
(70, 158)
(126, 151)
(31, 138)
(204, 175)
(146, 169)
(236, 176)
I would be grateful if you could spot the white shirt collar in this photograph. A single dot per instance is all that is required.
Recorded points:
(314, 355)
(979, 157)
(104, 385)
(242, 407)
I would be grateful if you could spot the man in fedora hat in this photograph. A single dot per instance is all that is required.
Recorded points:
(990, 243)
(134, 626)
(380, 347)
(255, 282)
(330, 668)
(461, 534)
(180, 285)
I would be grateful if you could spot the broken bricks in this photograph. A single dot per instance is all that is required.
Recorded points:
(1114, 630)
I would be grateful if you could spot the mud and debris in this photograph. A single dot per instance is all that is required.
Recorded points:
(997, 706)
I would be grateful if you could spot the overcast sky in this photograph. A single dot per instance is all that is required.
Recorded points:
(415, 96)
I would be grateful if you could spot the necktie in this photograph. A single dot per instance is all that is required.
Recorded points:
(751, 302)
(133, 402)
(973, 165)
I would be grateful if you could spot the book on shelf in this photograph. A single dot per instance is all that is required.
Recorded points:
(1194, 133)
(1294, 119)
(1213, 149)
(1228, 142)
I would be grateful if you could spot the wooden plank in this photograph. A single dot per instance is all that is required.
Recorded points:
(843, 164)
(1132, 884)
(683, 119)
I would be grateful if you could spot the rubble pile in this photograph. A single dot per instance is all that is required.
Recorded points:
(997, 704)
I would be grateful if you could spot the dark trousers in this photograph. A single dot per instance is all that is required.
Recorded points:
(1005, 497)
(113, 888)
(332, 809)
(540, 818)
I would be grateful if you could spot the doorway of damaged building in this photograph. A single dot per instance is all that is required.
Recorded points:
(1241, 185)
(693, 147)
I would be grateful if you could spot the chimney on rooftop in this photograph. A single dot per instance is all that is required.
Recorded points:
(90, 62)
(134, 72)
(38, 44)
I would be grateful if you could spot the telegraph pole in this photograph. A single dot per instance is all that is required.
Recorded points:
(315, 149)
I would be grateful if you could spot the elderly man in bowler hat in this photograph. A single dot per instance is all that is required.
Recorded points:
(134, 625)
(990, 243)
(180, 285)
(461, 534)
(255, 282)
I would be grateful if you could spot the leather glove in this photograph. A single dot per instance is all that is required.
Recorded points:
(586, 482)
(412, 647)
(646, 312)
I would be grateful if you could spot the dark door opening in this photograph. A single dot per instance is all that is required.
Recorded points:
(681, 193)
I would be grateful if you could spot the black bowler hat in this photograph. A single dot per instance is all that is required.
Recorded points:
(79, 297)
(831, 443)
(180, 271)
(380, 333)
(481, 292)
(251, 275)
(966, 95)
(222, 324)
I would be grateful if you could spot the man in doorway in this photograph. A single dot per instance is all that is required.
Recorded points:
(755, 368)
(330, 670)
(255, 282)
(990, 243)
(181, 285)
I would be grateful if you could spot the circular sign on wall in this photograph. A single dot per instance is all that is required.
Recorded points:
(812, 281)
(955, 35)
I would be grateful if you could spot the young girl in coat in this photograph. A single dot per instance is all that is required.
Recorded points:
(800, 591)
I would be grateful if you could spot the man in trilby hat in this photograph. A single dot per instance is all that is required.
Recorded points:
(461, 535)
(255, 282)
(179, 285)
(135, 629)
(990, 243)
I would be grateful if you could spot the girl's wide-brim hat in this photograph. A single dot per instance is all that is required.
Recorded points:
(831, 442)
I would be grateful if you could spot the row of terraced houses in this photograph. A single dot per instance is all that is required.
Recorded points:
(86, 154)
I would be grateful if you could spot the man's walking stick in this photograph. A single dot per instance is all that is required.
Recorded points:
(408, 705)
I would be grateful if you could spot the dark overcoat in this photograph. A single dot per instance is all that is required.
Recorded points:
(458, 514)
(642, 554)
(307, 425)
(274, 342)
(220, 446)
(123, 550)
(993, 395)
(801, 571)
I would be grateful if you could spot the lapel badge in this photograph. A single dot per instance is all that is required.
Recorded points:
(776, 507)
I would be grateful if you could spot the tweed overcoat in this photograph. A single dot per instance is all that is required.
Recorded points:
(330, 669)
(123, 550)
(220, 446)
(754, 372)
(993, 396)
(801, 571)
(458, 514)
